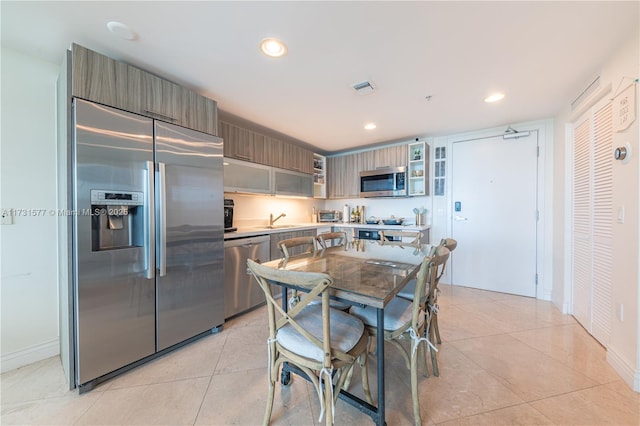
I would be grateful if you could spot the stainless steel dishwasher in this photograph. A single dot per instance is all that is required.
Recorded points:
(241, 291)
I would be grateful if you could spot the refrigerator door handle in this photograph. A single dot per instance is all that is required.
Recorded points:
(149, 233)
(161, 250)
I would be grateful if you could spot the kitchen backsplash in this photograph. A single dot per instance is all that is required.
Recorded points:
(254, 210)
(385, 207)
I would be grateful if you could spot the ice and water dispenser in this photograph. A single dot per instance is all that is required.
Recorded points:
(116, 219)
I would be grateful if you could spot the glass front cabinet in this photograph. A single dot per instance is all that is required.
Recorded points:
(418, 168)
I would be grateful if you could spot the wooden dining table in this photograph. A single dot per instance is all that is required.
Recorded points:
(365, 273)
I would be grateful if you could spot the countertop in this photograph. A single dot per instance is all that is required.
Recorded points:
(251, 231)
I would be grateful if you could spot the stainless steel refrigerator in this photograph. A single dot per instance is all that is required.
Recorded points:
(148, 237)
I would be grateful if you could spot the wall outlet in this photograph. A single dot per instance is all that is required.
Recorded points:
(7, 217)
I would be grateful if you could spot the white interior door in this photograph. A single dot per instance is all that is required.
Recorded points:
(494, 194)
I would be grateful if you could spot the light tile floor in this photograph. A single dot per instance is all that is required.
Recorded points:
(504, 360)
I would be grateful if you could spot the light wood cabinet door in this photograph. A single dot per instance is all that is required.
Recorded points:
(343, 175)
(243, 144)
(393, 156)
(199, 112)
(98, 78)
(162, 99)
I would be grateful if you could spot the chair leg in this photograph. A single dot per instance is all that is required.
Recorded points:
(328, 402)
(414, 389)
(269, 408)
(362, 361)
(434, 359)
(423, 357)
(434, 319)
(347, 382)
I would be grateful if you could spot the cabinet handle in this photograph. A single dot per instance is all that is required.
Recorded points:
(244, 157)
(158, 115)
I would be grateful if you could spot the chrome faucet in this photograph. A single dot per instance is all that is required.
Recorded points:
(272, 220)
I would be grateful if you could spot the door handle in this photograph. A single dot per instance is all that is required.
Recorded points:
(460, 218)
(161, 251)
(150, 228)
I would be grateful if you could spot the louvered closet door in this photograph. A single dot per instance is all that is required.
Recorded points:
(602, 224)
(593, 221)
(582, 278)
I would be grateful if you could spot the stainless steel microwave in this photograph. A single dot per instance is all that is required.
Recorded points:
(385, 182)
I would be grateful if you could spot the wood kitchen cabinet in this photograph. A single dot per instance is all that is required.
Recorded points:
(98, 78)
(161, 99)
(343, 179)
(343, 172)
(243, 143)
(297, 158)
(393, 156)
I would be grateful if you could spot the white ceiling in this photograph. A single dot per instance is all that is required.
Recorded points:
(540, 54)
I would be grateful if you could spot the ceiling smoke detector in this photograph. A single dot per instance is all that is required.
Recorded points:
(363, 88)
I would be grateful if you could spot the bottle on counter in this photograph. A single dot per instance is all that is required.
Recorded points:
(362, 215)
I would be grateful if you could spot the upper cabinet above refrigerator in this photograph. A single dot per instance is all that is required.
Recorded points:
(98, 78)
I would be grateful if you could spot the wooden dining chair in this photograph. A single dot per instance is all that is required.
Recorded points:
(399, 236)
(332, 239)
(406, 319)
(302, 245)
(317, 339)
(432, 303)
(297, 245)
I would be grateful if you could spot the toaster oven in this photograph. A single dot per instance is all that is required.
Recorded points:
(329, 216)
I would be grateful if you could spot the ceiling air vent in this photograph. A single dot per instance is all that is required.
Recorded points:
(592, 87)
(363, 88)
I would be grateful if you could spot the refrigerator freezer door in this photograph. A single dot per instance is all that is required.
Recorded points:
(115, 302)
(190, 289)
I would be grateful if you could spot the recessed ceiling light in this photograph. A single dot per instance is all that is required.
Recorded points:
(121, 30)
(273, 47)
(494, 98)
(370, 126)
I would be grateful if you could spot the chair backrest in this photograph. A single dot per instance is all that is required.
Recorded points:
(449, 243)
(335, 238)
(429, 273)
(440, 256)
(314, 284)
(405, 237)
(298, 245)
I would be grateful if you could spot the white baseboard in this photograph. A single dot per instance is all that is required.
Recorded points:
(630, 375)
(29, 355)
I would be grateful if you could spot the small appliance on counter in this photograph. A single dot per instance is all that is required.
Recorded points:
(228, 216)
(329, 216)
